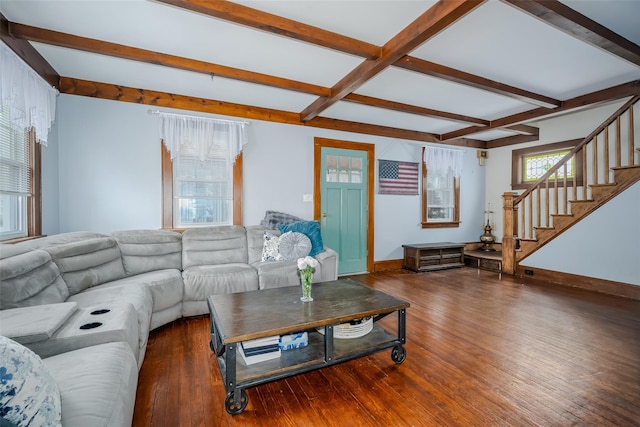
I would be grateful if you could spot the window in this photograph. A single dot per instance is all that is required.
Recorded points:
(19, 181)
(441, 188)
(203, 191)
(201, 171)
(530, 164)
(199, 193)
(344, 169)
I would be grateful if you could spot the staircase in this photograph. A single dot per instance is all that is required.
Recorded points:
(608, 162)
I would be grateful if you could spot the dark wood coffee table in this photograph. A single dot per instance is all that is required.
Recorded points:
(249, 315)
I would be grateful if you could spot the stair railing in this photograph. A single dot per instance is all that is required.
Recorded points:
(551, 194)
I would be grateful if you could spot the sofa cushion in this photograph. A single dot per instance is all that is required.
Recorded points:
(29, 394)
(149, 250)
(97, 385)
(293, 245)
(166, 286)
(309, 228)
(60, 239)
(88, 263)
(29, 278)
(202, 281)
(277, 274)
(214, 245)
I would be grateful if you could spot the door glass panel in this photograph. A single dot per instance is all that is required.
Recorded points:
(344, 175)
(332, 175)
(356, 177)
(332, 161)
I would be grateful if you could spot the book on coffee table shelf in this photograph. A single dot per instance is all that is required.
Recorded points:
(291, 341)
(260, 349)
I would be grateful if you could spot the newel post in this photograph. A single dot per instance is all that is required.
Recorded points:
(508, 239)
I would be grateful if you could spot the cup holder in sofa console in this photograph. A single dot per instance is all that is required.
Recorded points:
(101, 311)
(91, 325)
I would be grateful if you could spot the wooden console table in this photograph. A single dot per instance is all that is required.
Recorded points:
(433, 256)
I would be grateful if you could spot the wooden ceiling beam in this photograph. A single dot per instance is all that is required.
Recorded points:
(610, 94)
(28, 53)
(413, 109)
(523, 129)
(254, 18)
(55, 38)
(434, 20)
(41, 35)
(456, 76)
(113, 92)
(570, 21)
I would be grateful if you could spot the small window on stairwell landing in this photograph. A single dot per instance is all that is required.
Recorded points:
(531, 163)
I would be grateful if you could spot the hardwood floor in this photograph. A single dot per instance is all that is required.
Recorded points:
(482, 350)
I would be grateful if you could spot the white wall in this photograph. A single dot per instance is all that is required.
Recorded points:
(110, 177)
(109, 166)
(605, 245)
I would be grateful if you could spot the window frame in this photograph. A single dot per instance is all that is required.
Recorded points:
(33, 205)
(426, 223)
(167, 190)
(518, 156)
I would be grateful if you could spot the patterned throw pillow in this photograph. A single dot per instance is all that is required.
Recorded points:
(270, 247)
(294, 246)
(29, 395)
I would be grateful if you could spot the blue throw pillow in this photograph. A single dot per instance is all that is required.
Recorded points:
(311, 229)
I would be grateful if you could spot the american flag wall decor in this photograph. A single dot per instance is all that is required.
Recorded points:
(397, 177)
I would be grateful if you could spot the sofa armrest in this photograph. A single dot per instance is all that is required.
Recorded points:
(36, 323)
(328, 265)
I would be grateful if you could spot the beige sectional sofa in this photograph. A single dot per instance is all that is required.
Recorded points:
(78, 296)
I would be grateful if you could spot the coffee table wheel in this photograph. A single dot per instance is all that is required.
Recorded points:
(218, 352)
(234, 408)
(398, 354)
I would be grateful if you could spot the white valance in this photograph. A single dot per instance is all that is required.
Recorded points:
(442, 160)
(30, 99)
(201, 136)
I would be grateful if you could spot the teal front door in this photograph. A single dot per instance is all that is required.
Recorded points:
(343, 206)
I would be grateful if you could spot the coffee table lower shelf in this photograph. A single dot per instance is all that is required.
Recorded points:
(323, 350)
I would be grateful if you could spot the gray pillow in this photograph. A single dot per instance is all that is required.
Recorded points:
(294, 245)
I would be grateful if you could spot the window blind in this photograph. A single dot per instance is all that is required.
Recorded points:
(14, 157)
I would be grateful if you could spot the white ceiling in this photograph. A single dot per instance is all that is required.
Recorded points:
(495, 41)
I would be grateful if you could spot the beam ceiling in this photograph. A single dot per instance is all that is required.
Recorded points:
(376, 59)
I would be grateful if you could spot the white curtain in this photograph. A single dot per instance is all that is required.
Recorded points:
(202, 137)
(31, 100)
(442, 160)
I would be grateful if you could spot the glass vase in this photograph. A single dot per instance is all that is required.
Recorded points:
(305, 280)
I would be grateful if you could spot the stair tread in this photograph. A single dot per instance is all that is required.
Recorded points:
(608, 184)
(559, 215)
(544, 228)
(625, 167)
(582, 201)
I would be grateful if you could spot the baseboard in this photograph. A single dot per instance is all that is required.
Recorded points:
(609, 287)
(390, 264)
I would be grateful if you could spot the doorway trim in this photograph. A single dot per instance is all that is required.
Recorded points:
(318, 144)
